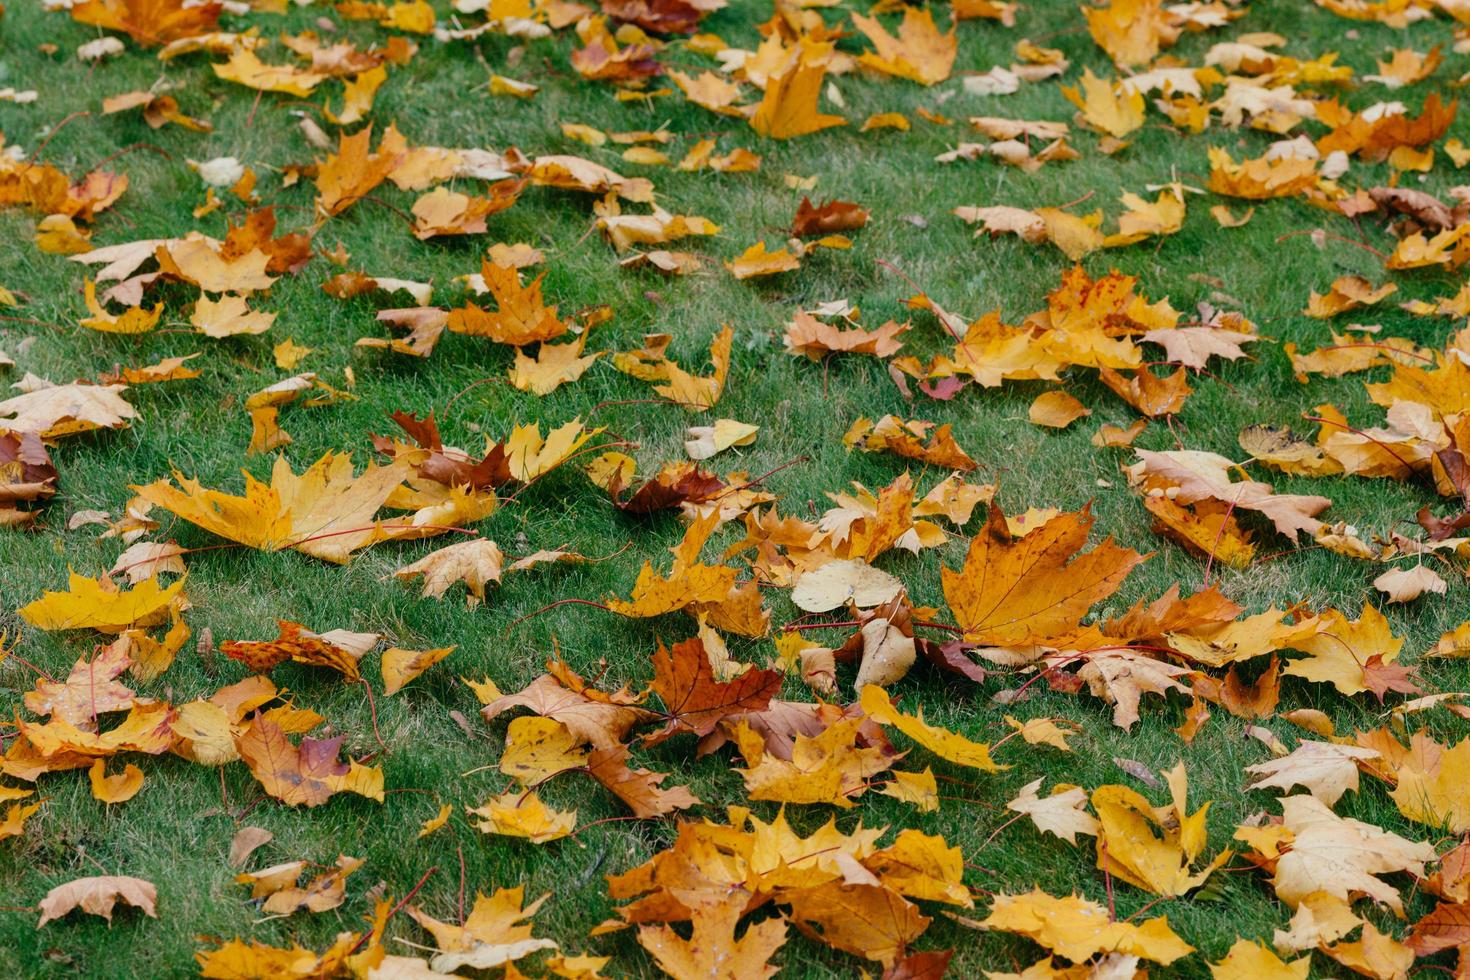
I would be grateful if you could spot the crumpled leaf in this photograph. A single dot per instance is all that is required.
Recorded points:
(1326, 769)
(1153, 848)
(1340, 856)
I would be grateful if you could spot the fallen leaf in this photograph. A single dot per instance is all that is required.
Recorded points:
(98, 896)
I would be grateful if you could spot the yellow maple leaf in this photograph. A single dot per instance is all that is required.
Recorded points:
(1130, 31)
(789, 106)
(96, 603)
(1247, 960)
(830, 767)
(919, 53)
(1078, 929)
(941, 741)
(1340, 648)
(325, 511)
(245, 68)
(694, 392)
(401, 666)
(1106, 106)
(553, 366)
(688, 582)
(1152, 848)
(1432, 783)
(1017, 590)
(521, 813)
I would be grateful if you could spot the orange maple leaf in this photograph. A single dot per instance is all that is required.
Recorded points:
(521, 317)
(309, 774)
(150, 22)
(1015, 590)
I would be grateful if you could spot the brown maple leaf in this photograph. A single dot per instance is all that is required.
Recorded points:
(1380, 677)
(695, 699)
(812, 338)
(831, 217)
(27, 475)
(673, 486)
(1447, 927)
(453, 468)
(662, 16)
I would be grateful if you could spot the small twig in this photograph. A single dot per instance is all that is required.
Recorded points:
(129, 149)
(1381, 445)
(56, 129)
(26, 663)
(394, 910)
(1210, 563)
(373, 710)
(466, 388)
(996, 833)
(32, 321)
(763, 477)
(459, 848)
(637, 401)
(1072, 204)
(1337, 238)
(1388, 347)
(594, 823)
(551, 606)
(1144, 909)
(253, 106)
(412, 222)
(390, 527)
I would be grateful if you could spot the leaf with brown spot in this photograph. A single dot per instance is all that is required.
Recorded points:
(866, 920)
(307, 775)
(89, 690)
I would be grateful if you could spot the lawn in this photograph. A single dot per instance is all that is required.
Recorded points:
(177, 831)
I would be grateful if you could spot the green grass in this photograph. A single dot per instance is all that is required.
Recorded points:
(177, 831)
